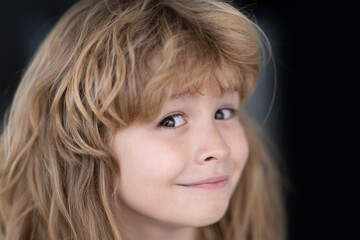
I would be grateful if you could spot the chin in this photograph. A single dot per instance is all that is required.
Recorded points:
(209, 217)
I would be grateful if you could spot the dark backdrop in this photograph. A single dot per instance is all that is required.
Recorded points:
(303, 37)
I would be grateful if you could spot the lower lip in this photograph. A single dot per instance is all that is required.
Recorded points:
(210, 186)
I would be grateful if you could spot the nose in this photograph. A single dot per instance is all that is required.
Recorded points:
(212, 145)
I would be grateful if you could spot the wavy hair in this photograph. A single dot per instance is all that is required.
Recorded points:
(92, 75)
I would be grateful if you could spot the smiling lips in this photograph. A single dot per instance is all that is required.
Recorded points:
(210, 183)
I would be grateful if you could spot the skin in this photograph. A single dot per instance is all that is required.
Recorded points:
(195, 137)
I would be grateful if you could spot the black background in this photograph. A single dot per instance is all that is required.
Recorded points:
(307, 38)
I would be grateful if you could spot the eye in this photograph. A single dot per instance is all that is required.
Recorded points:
(173, 121)
(224, 113)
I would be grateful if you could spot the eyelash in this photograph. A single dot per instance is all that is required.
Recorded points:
(171, 118)
(165, 122)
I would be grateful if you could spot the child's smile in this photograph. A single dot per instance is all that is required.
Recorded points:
(182, 168)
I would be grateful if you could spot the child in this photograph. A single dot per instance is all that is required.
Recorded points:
(129, 124)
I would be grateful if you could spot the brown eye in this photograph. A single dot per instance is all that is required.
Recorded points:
(223, 114)
(173, 121)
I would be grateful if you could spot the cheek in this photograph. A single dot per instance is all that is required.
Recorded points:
(148, 166)
(147, 174)
(239, 150)
(156, 160)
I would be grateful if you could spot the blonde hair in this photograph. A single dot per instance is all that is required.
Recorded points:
(93, 74)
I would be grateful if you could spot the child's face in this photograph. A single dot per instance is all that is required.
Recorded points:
(182, 168)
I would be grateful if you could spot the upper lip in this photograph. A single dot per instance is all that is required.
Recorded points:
(207, 181)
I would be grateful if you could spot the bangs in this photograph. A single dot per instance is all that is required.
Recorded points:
(196, 66)
(170, 49)
(190, 75)
(196, 71)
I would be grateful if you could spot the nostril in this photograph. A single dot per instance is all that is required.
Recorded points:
(208, 158)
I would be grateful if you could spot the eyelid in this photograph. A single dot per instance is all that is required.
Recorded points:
(231, 109)
(173, 114)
